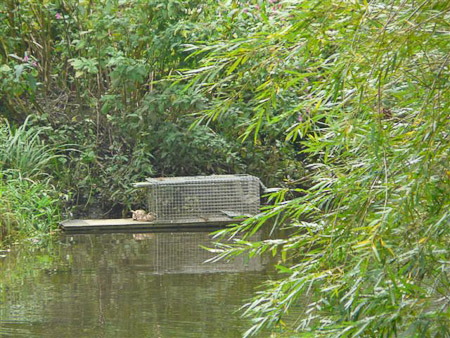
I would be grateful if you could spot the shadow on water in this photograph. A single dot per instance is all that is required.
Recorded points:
(125, 285)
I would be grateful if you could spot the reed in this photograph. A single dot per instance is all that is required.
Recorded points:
(29, 203)
(24, 150)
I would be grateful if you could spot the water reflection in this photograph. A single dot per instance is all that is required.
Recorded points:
(125, 285)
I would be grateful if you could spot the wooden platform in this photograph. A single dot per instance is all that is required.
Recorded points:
(128, 224)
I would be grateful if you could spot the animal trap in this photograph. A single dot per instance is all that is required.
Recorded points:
(207, 198)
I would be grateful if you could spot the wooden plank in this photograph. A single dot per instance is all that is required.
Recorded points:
(128, 224)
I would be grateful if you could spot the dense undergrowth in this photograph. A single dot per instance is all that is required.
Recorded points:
(343, 103)
(29, 203)
(96, 75)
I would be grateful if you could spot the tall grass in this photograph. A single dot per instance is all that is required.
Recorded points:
(27, 208)
(28, 201)
(23, 149)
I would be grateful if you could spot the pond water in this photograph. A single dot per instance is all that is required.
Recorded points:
(125, 285)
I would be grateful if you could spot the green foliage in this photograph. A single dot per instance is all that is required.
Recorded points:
(23, 149)
(29, 204)
(27, 208)
(95, 74)
(364, 87)
(346, 103)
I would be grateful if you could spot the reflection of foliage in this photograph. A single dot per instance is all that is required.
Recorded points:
(20, 265)
(86, 272)
(24, 261)
(365, 89)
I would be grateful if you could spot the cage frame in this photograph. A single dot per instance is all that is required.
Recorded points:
(210, 208)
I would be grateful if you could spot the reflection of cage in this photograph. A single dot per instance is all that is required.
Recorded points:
(203, 197)
(156, 253)
(185, 253)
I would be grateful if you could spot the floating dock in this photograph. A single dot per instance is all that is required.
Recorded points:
(128, 224)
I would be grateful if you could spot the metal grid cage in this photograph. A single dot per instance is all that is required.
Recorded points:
(203, 197)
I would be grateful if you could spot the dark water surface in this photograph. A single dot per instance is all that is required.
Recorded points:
(125, 285)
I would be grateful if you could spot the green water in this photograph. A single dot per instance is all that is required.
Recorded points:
(125, 285)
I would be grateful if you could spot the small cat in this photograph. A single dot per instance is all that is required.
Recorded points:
(143, 216)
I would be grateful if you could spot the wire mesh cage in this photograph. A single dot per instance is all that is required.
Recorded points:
(203, 197)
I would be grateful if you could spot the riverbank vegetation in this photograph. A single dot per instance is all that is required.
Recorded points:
(343, 104)
(29, 205)
(97, 75)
